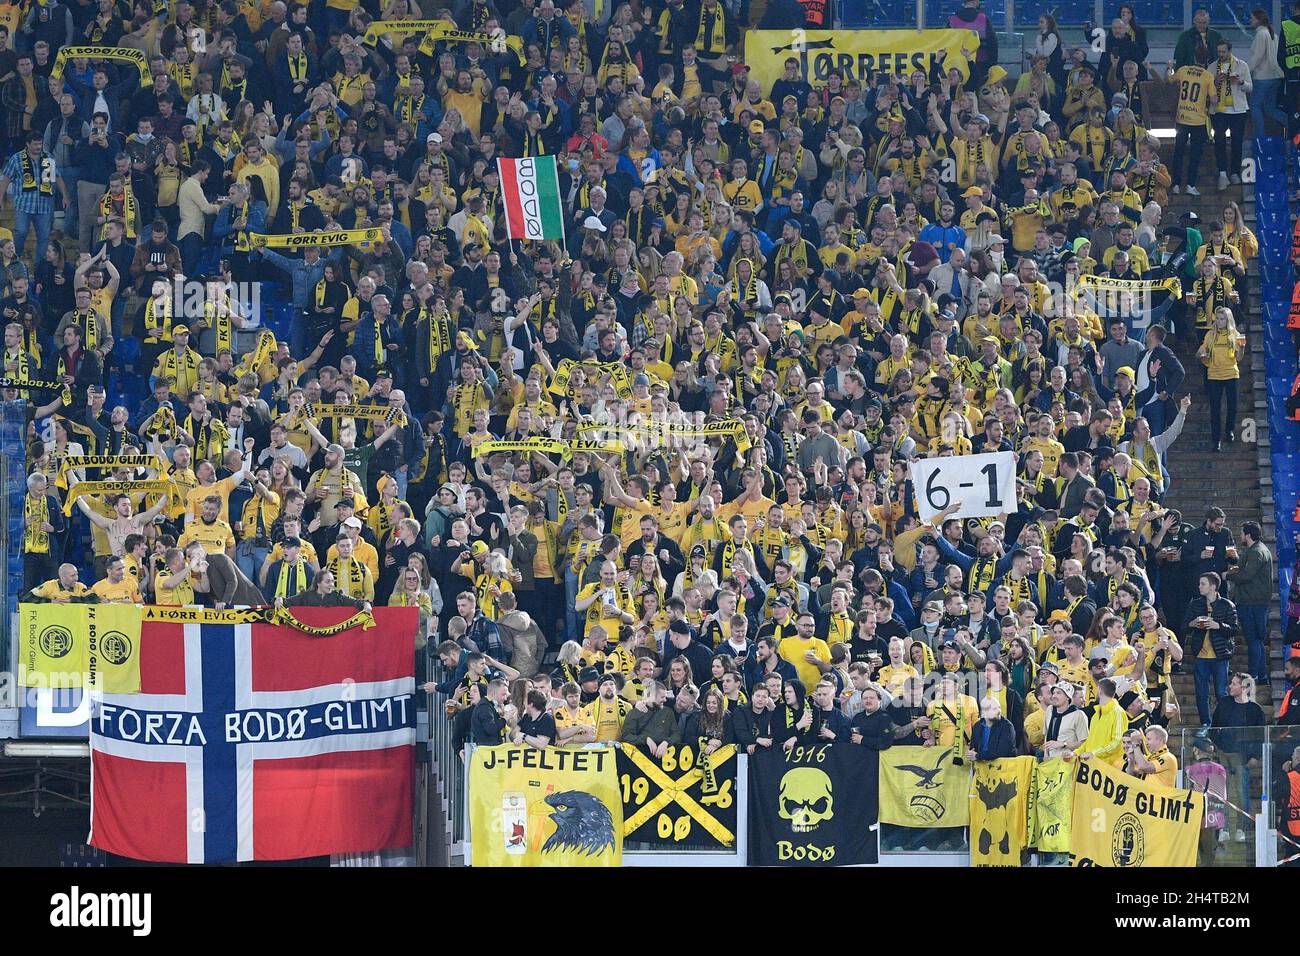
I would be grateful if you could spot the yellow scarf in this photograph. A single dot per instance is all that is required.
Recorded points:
(35, 513)
(711, 34)
(299, 570)
(43, 183)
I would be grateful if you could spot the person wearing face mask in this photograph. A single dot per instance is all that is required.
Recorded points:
(929, 633)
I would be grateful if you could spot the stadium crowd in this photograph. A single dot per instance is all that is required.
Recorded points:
(769, 300)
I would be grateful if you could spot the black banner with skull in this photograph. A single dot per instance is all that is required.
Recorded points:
(813, 806)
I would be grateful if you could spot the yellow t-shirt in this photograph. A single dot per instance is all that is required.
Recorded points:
(216, 538)
(603, 610)
(743, 194)
(607, 718)
(181, 594)
(222, 489)
(126, 591)
(793, 649)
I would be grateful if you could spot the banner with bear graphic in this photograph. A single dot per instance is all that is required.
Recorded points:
(813, 806)
(1001, 805)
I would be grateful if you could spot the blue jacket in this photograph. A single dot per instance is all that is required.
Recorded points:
(939, 237)
(302, 275)
(224, 230)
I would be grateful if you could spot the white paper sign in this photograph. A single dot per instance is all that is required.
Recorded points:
(981, 484)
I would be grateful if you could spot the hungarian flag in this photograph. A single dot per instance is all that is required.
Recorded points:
(530, 189)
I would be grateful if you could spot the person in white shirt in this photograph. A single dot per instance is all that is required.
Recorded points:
(1265, 74)
(1232, 86)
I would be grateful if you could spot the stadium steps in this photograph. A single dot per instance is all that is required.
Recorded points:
(1237, 479)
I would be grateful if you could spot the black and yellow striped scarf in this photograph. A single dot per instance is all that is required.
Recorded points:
(981, 574)
(711, 34)
(349, 576)
(32, 180)
(36, 512)
(299, 571)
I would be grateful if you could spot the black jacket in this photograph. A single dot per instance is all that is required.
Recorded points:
(747, 726)
(486, 724)
(697, 655)
(990, 743)
(836, 721)
(692, 733)
(1223, 640)
(877, 729)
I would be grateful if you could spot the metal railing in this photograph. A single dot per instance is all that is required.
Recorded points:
(447, 787)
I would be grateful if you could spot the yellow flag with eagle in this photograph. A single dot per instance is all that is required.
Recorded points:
(559, 806)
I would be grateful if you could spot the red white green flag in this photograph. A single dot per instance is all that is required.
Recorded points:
(530, 190)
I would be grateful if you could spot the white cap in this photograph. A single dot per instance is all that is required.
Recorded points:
(593, 222)
(433, 138)
(353, 522)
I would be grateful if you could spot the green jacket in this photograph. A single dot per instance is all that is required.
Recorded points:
(1185, 51)
(1253, 582)
(659, 725)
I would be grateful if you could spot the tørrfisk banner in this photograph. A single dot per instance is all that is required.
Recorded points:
(856, 53)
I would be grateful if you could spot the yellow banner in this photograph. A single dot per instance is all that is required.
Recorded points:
(659, 433)
(265, 615)
(375, 413)
(113, 647)
(1122, 821)
(1053, 804)
(51, 650)
(84, 488)
(104, 461)
(80, 645)
(920, 788)
(1001, 801)
(856, 53)
(545, 446)
(125, 54)
(436, 30)
(339, 237)
(554, 807)
(550, 446)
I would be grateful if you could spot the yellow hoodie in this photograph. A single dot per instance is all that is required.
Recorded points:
(1106, 734)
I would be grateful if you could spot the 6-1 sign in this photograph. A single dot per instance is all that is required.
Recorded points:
(980, 484)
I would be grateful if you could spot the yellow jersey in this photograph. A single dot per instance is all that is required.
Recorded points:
(1195, 89)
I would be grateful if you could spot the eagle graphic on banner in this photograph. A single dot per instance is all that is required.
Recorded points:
(582, 824)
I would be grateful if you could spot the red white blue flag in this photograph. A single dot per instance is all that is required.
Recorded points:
(254, 741)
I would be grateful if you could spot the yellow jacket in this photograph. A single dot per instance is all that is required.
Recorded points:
(1106, 734)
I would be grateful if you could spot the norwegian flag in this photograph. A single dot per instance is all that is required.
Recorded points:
(259, 742)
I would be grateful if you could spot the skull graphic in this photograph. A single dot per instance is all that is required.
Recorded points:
(806, 799)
